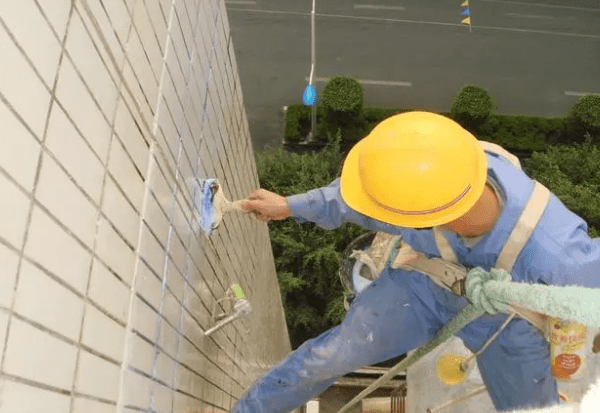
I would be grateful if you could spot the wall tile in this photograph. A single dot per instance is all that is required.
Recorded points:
(168, 338)
(3, 327)
(126, 175)
(145, 320)
(19, 150)
(137, 101)
(57, 12)
(27, 356)
(136, 390)
(120, 212)
(111, 248)
(141, 354)
(152, 252)
(41, 299)
(22, 87)
(22, 398)
(34, 35)
(103, 334)
(88, 62)
(10, 261)
(197, 126)
(81, 108)
(144, 75)
(50, 246)
(109, 292)
(157, 18)
(118, 20)
(81, 405)
(102, 33)
(132, 137)
(66, 202)
(97, 377)
(72, 152)
(164, 368)
(148, 285)
(153, 45)
(162, 398)
(14, 206)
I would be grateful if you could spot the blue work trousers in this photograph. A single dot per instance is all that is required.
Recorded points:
(396, 313)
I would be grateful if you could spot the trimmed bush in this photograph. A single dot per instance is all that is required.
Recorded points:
(585, 115)
(472, 106)
(343, 95)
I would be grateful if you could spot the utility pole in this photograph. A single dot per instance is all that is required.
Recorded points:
(309, 96)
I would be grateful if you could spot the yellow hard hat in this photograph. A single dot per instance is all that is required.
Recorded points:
(415, 170)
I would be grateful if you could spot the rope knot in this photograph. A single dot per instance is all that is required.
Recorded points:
(475, 288)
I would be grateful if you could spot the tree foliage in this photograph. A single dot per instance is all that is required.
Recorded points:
(572, 173)
(307, 258)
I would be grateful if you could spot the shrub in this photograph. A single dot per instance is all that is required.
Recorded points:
(342, 102)
(585, 116)
(294, 115)
(519, 132)
(343, 95)
(472, 106)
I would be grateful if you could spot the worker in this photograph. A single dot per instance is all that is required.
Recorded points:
(417, 174)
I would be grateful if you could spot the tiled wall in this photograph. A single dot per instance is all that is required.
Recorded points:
(108, 110)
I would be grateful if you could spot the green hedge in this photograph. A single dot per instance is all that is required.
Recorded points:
(530, 133)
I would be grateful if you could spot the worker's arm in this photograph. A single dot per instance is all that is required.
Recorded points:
(323, 206)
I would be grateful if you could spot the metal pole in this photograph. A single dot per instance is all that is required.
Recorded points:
(313, 116)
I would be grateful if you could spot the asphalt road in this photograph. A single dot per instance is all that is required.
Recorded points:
(534, 57)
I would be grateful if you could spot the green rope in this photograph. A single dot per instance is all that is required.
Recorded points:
(493, 291)
(468, 314)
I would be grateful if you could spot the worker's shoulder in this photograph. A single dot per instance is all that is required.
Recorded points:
(558, 244)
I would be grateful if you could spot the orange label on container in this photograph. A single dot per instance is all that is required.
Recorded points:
(567, 348)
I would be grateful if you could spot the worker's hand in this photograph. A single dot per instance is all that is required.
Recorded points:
(267, 205)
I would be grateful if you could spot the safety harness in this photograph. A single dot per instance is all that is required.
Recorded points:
(387, 249)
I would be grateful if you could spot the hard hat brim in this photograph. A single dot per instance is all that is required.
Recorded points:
(355, 196)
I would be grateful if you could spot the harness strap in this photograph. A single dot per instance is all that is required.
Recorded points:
(444, 247)
(497, 149)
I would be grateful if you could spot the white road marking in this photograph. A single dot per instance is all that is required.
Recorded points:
(377, 7)
(529, 16)
(542, 5)
(569, 93)
(246, 3)
(369, 82)
(508, 29)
